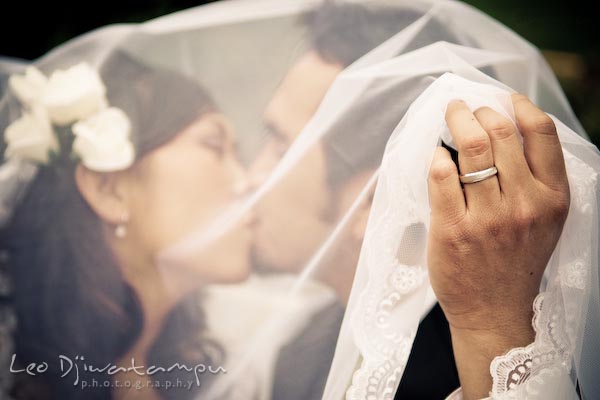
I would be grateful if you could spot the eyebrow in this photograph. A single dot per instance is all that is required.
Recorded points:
(223, 135)
(228, 135)
(220, 128)
(273, 130)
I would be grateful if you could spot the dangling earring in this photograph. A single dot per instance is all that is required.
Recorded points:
(121, 229)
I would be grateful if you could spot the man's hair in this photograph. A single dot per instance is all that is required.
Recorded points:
(342, 32)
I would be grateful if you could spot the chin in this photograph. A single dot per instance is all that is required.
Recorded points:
(234, 261)
(270, 258)
(228, 263)
(262, 255)
(234, 272)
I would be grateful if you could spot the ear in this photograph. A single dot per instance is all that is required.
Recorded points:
(103, 193)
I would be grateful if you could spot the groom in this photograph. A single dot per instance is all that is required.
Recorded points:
(480, 239)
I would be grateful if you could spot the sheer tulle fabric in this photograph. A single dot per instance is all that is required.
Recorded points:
(381, 119)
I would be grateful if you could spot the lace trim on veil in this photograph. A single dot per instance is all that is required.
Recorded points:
(397, 276)
(536, 371)
(531, 372)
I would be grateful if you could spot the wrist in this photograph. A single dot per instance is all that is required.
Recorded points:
(488, 344)
(475, 349)
(499, 331)
(511, 323)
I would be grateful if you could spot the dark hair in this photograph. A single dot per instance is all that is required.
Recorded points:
(68, 292)
(343, 32)
(346, 155)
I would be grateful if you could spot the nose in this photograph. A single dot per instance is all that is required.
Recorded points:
(241, 182)
(241, 188)
(257, 178)
(260, 170)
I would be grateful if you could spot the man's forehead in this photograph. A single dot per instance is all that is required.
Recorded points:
(300, 93)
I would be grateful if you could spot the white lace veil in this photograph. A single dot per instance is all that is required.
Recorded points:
(332, 303)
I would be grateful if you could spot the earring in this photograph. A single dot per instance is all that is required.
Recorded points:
(121, 229)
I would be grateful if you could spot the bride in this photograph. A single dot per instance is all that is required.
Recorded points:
(83, 239)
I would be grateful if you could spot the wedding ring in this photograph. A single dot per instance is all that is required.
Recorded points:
(478, 176)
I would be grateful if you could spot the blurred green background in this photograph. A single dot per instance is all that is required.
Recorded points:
(566, 32)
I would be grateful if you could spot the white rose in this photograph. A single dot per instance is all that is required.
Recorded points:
(31, 137)
(102, 141)
(29, 88)
(74, 94)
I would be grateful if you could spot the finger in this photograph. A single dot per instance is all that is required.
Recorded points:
(513, 171)
(445, 193)
(542, 147)
(474, 154)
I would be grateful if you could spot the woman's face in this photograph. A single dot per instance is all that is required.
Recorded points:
(179, 189)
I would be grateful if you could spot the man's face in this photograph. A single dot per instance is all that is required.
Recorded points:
(293, 214)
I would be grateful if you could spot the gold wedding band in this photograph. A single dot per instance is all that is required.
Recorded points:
(478, 176)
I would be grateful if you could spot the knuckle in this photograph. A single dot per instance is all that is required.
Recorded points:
(544, 124)
(500, 129)
(525, 221)
(525, 218)
(475, 146)
(560, 208)
(457, 237)
(496, 125)
(541, 124)
(518, 98)
(451, 231)
(442, 170)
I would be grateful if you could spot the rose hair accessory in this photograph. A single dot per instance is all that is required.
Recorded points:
(68, 102)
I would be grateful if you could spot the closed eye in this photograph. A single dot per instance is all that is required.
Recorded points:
(280, 140)
(215, 141)
(214, 144)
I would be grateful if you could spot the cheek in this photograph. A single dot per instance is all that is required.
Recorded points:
(291, 224)
(305, 185)
(183, 194)
(186, 198)
(266, 161)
